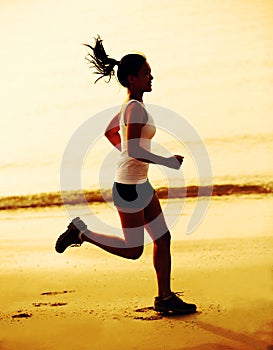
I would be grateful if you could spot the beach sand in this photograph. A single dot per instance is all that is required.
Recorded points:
(88, 299)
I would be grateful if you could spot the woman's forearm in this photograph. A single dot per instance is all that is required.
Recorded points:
(139, 153)
(147, 157)
(112, 132)
(114, 138)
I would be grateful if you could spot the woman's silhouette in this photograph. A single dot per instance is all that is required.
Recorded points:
(131, 131)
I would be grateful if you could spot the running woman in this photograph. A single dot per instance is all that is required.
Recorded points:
(137, 203)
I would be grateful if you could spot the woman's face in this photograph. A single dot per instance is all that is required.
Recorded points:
(143, 81)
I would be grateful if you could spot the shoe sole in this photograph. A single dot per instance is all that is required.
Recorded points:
(173, 311)
(60, 251)
(74, 224)
(59, 240)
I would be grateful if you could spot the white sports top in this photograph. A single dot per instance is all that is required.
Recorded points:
(131, 170)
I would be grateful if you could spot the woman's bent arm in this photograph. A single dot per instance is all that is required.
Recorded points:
(112, 132)
(135, 119)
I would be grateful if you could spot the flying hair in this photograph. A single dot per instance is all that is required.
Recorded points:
(104, 65)
(99, 60)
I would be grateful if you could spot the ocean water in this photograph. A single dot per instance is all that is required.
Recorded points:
(212, 63)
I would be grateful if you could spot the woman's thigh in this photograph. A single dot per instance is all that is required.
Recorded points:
(154, 219)
(133, 227)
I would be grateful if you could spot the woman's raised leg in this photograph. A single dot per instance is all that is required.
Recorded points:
(131, 247)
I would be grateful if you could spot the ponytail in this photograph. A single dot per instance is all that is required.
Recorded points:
(100, 60)
(129, 64)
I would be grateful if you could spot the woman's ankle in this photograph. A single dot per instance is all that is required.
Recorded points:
(165, 295)
(81, 235)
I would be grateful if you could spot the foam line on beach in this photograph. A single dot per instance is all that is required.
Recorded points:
(51, 199)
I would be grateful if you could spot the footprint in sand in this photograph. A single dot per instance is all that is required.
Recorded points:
(22, 315)
(58, 304)
(55, 293)
(51, 304)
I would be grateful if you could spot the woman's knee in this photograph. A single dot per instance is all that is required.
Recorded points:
(134, 253)
(164, 240)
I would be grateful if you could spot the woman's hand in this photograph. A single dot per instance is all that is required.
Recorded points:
(175, 162)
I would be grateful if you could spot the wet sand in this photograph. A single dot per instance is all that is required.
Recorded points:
(88, 299)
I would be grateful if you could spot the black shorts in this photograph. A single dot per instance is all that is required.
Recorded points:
(132, 196)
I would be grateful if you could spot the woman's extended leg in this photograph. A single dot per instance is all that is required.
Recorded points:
(157, 228)
(131, 247)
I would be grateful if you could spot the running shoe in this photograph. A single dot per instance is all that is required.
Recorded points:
(71, 235)
(173, 304)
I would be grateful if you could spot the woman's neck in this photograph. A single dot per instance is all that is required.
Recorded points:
(133, 95)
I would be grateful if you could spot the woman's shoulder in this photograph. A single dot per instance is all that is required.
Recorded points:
(133, 104)
(135, 111)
